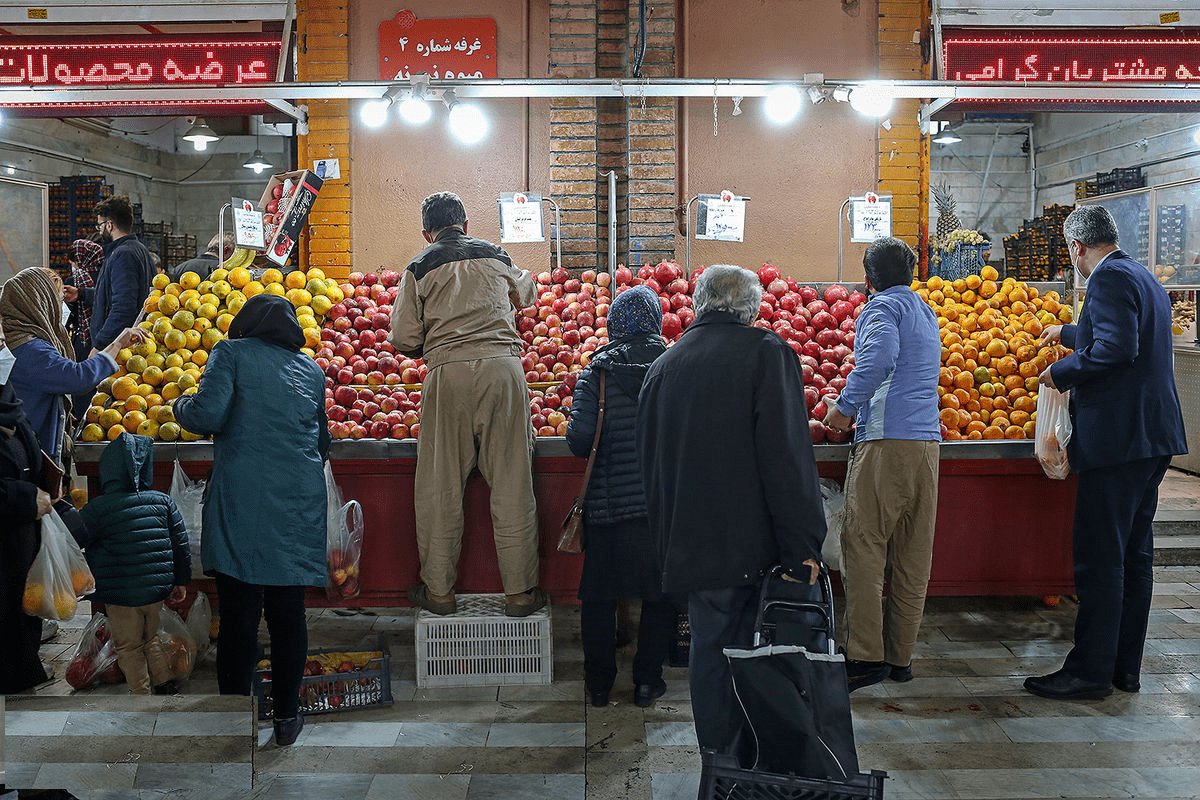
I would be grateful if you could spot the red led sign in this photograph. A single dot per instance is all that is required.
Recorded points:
(445, 48)
(1071, 55)
(106, 62)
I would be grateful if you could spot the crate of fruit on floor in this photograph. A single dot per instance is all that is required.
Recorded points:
(335, 680)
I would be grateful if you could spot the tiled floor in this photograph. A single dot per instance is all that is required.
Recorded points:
(963, 728)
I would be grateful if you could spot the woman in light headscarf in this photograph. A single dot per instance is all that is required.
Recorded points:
(263, 401)
(33, 316)
(620, 560)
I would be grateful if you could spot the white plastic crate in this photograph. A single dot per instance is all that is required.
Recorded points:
(479, 646)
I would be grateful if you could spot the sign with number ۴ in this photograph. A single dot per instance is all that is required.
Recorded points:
(447, 49)
(721, 217)
(521, 218)
(247, 225)
(870, 217)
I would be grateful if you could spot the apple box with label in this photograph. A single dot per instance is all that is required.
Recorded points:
(286, 203)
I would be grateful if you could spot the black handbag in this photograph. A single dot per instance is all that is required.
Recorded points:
(570, 540)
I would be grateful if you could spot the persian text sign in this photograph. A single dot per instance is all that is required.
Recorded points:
(1072, 55)
(445, 48)
(102, 61)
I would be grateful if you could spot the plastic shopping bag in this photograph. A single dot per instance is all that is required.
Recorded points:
(343, 541)
(95, 659)
(1053, 432)
(834, 501)
(59, 576)
(199, 621)
(189, 499)
(177, 643)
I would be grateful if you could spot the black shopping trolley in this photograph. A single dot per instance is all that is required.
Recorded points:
(792, 688)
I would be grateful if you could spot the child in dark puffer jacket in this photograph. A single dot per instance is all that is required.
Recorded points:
(137, 547)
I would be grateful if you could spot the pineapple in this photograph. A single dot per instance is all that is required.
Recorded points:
(947, 219)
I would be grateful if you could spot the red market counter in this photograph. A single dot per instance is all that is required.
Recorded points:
(1003, 527)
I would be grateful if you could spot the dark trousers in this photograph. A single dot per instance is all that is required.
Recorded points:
(242, 604)
(1113, 546)
(598, 628)
(719, 618)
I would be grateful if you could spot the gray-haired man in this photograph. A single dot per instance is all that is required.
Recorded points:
(731, 480)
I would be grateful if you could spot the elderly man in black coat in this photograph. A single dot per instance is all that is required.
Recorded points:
(731, 480)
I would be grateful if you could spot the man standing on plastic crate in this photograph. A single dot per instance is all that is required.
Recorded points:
(457, 310)
(892, 476)
(1127, 424)
(730, 478)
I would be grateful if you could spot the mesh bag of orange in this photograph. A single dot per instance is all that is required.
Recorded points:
(1053, 432)
(59, 576)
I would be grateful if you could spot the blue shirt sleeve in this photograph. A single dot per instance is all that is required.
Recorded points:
(43, 369)
(876, 348)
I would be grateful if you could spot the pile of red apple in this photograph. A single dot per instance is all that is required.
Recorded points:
(550, 408)
(565, 325)
(820, 328)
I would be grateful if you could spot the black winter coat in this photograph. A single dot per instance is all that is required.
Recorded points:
(730, 475)
(137, 544)
(615, 492)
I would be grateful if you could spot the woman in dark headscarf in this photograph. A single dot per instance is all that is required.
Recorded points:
(263, 401)
(85, 257)
(23, 503)
(45, 372)
(620, 560)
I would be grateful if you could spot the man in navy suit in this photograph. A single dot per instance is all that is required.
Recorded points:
(1127, 425)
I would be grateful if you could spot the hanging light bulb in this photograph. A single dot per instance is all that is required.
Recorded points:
(257, 162)
(374, 112)
(414, 110)
(467, 122)
(947, 134)
(872, 100)
(200, 135)
(782, 104)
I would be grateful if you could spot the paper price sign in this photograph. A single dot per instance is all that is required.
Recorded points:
(721, 217)
(247, 225)
(870, 217)
(521, 218)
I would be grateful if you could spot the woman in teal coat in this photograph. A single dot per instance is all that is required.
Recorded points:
(263, 539)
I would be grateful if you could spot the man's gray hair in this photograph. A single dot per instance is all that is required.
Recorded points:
(725, 287)
(1092, 225)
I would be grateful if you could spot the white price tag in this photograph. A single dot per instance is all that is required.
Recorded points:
(521, 218)
(247, 225)
(721, 217)
(870, 217)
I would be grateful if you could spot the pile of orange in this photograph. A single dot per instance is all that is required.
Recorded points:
(186, 320)
(991, 359)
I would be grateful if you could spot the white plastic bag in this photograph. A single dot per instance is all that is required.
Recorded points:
(189, 496)
(95, 659)
(343, 541)
(834, 501)
(177, 644)
(199, 620)
(59, 576)
(1053, 432)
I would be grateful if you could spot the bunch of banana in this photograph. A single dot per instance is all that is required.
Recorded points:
(242, 257)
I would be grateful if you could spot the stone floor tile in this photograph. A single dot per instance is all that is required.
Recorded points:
(1177, 589)
(674, 785)
(1175, 646)
(481, 693)
(680, 734)
(349, 734)
(525, 787)
(536, 734)
(615, 728)
(34, 723)
(220, 779)
(442, 734)
(84, 778)
(1092, 729)
(419, 787)
(192, 723)
(305, 787)
(559, 690)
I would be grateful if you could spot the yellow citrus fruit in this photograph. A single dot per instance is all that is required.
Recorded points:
(239, 277)
(234, 304)
(312, 337)
(205, 286)
(171, 391)
(160, 281)
(136, 403)
(144, 390)
(295, 280)
(185, 355)
(200, 358)
(168, 304)
(315, 287)
(210, 337)
(334, 293)
(298, 297)
(172, 360)
(148, 428)
(183, 320)
(132, 420)
(276, 289)
(316, 274)
(92, 432)
(321, 305)
(172, 373)
(100, 399)
(208, 310)
(186, 381)
(161, 326)
(253, 288)
(202, 324)
(189, 280)
(193, 338)
(152, 375)
(145, 348)
(168, 431)
(223, 322)
(34, 598)
(135, 364)
(192, 304)
(272, 275)
(109, 417)
(65, 605)
(173, 288)
(115, 431)
(210, 299)
(221, 289)
(218, 274)
(124, 388)
(93, 413)
(175, 339)
(123, 355)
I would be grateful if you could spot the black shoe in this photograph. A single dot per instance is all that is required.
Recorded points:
(167, 687)
(598, 698)
(644, 694)
(900, 674)
(286, 730)
(1127, 682)
(865, 673)
(1062, 686)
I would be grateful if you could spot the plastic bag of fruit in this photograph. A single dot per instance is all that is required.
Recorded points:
(189, 499)
(1053, 432)
(834, 501)
(343, 542)
(199, 622)
(59, 576)
(177, 643)
(95, 659)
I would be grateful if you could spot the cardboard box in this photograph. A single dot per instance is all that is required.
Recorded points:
(304, 186)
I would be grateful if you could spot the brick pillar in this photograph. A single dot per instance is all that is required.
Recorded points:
(573, 131)
(612, 127)
(324, 56)
(651, 140)
(903, 152)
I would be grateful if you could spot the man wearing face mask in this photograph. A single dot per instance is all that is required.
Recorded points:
(126, 275)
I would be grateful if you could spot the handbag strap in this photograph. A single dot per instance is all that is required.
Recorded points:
(587, 473)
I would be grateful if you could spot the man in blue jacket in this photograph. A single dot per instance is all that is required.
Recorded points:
(125, 277)
(892, 477)
(1127, 425)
